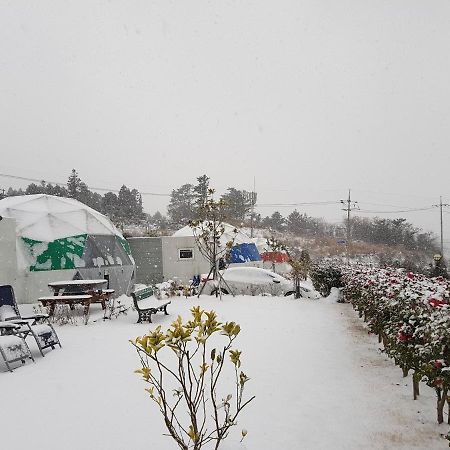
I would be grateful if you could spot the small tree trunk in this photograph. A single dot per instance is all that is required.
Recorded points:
(405, 371)
(441, 397)
(297, 286)
(448, 416)
(415, 380)
(379, 338)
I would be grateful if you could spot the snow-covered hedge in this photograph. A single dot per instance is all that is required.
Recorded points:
(326, 275)
(411, 315)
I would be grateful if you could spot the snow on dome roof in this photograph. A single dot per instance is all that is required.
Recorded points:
(228, 235)
(46, 218)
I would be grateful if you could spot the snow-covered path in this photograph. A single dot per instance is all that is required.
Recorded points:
(319, 382)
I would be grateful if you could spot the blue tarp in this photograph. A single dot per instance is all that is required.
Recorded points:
(241, 253)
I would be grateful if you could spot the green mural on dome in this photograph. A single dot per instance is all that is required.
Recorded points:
(125, 245)
(65, 253)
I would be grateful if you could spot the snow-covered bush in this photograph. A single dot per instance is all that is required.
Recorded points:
(189, 391)
(325, 275)
(174, 288)
(411, 315)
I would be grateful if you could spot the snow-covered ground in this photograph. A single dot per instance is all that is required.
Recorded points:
(320, 383)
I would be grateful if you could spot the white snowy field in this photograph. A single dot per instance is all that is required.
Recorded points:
(320, 383)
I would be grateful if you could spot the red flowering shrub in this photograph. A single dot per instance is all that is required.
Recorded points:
(411, 315)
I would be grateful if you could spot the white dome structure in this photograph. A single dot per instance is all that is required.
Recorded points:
(60, 238)
(46, 218)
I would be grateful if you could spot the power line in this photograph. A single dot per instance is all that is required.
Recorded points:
(16, 177)
(290, 205)
(384, 204)
(427, 208)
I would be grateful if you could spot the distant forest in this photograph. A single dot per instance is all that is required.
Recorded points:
(125, 209)
(122, 208)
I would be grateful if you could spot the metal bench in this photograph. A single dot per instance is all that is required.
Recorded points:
(146, 313)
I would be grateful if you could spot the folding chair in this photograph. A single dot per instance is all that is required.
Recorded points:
(12, 346)
(37, 325)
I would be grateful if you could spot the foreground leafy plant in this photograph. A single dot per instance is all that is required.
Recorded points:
(195, 414)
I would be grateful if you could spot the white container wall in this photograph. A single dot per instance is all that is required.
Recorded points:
(182, 258)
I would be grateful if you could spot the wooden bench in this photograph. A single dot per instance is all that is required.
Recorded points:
(146, 313)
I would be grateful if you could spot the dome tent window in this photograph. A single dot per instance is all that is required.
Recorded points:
(186, 253)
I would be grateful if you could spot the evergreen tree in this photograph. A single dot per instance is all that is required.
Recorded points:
(182, 208)
(13, 192)
(84, 194)
(57, 190)
(295, 222)
(73, 185)
(300, 224)
(159, 221)
(95, 201)
(237, 204)
(201, 193)
(129, 205)
(110, 205)
(276, 221)
(34, 188)
(138, 210)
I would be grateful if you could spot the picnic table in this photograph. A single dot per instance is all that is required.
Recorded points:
(73, 292)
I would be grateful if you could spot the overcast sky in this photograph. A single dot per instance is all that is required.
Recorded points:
(309, 97)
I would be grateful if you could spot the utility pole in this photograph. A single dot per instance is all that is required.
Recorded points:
(253, 200)
(442, 223)
(350, 206)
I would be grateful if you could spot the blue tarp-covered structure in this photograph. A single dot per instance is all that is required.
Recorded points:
(242, 253)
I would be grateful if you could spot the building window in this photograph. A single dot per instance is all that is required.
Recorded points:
(186, 253)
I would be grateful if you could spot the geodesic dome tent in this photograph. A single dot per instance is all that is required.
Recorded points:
(60, 238)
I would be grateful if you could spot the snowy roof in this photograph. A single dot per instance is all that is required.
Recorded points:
(228, 235)
(46, 218)
(261, 244)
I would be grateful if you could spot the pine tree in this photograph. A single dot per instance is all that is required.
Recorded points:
(138, 211)
(237, 204)
(73, 184)
(201, 193)
(34, 188)
(125, 204)
(159, 221)
(13, 192)
(276, 221)
(110, 205)
(182, 208)
(295, 222)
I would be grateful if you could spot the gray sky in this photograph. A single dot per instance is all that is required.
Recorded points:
(310, 97)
